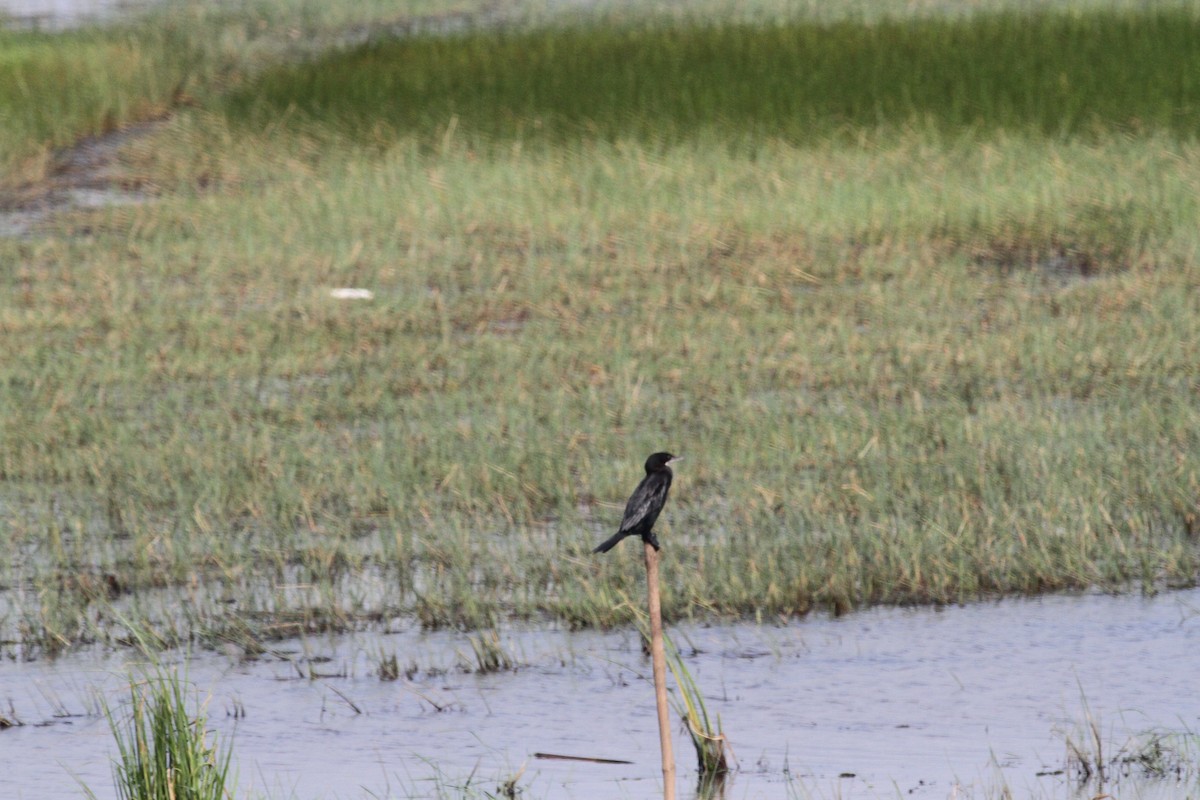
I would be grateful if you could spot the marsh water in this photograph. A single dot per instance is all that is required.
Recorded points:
(56, 15)
(957, 702)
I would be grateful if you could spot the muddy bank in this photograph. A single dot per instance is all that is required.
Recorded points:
(87, 175)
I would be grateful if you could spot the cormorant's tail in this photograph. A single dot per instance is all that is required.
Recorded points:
(615, 539)
(611, 542)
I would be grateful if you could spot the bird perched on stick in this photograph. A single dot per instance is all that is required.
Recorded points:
(645, 504)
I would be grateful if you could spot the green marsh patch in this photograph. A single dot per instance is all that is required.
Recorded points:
(56, 88)
(1048, 73)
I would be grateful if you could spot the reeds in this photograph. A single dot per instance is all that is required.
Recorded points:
(1098, 764)
(712, 747)
(164, 750)
(490, 654)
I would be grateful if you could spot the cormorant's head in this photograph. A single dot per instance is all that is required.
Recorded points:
(659, 461)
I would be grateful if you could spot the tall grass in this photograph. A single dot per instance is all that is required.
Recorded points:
(164, 751)
(1049, 72)
(58, 87)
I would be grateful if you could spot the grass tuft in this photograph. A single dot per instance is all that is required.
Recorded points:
(490, 654)
(164, 751)
(707, 738)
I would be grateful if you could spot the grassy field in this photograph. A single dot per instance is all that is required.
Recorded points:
(804, 82)
(918, 305)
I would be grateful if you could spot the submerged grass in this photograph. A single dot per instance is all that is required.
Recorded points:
(1095, 762)
(922, 363)
(489, 654)
(707, 737)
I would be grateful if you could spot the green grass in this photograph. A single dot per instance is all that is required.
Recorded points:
(58, 87)
(907, 363)
(1051, 72)
(707, 737)
(890, 417)
(163, 749)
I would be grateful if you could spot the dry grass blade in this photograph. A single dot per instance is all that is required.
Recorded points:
(708, 739)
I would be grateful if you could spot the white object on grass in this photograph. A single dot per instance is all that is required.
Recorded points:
(352, 294)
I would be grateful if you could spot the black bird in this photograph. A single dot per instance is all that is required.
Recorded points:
(646, 502)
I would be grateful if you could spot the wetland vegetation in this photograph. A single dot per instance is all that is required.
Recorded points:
(917, 302)
(165, 751)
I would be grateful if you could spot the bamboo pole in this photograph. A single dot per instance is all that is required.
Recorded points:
(659, 660)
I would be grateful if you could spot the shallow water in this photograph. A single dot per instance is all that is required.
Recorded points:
(920, 703)
(62, 14)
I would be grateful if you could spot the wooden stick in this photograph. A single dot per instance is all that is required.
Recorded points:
(588, 759)
(659, 660)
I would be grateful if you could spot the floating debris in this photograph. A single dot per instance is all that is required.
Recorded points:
(589, 759)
